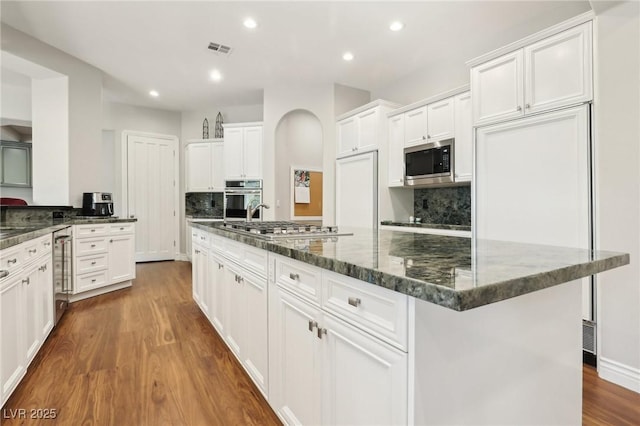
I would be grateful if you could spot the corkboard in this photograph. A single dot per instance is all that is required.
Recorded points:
(314, 208)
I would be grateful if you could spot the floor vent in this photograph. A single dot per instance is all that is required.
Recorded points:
(589, 336)
(220, 48)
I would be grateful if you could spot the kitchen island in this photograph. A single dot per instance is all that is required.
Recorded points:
(403, 328)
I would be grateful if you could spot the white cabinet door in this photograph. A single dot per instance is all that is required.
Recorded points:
(218, 301)
(415, 126)
(440, 119)
(368, 130)
(497, 88)
(252, 152)
(233, 153)
(196, 279)
(558, 70)
(31, 318)
(364, 380)
(396, 151)
(464, 138)
(356, 190)
(295, 353)
(45, 283)
(217, 166)
(198, 167)
(255, 348)
(347, 131)
(12, 351)
(237, 309)
(122, 265)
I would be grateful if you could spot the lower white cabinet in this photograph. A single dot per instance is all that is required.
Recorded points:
(121, 251)
(13, 358)
(237, 308)
(218, 300)
(200, 265)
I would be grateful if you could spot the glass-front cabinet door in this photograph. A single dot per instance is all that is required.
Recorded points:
(15, 164)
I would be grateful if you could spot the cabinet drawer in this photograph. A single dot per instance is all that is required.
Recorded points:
(82, 231)
(45, 243)
(11, 259)
(31, 250)
(255, 259)
(302, 280)
(86, 264)
(379, 311)
(121, 228)
(200, 237)
(90, 281)
(91, 246)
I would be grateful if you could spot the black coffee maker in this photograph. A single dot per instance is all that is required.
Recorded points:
(97, 204)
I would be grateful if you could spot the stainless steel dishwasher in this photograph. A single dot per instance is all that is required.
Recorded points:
(62, 270)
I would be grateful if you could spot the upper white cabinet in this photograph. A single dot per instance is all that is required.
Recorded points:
(396, 150)
(440, 120)
(243, 151)
(553, 72)
(362, 129)
(464, 137)
(204, 165)
(415, 126)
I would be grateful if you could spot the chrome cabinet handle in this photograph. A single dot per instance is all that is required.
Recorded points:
(294, 277)
(93, 245)
(93, 263)
(122, 229)
(11, 261)
(428, 136)
(423, 138)
(132, 216)
(111, 240)
(321, 331)
(519, 108)
(93, 280)
(354, 301)
(47, 243)
(27, 281)
(527, 106)
(33, 251)
(4, 273)
(93, 230)
(312, 325)
(220, 266)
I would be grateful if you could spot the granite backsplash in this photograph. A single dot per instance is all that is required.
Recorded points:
(36, 214)
(446, 206)
(204, 204)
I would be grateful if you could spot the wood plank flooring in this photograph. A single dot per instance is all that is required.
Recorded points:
(148, 356)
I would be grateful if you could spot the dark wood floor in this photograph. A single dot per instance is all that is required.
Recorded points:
(148, 356)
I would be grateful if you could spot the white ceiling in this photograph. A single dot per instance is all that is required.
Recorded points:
(163, 45)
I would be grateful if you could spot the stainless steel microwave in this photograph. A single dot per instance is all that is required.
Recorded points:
(429, 164)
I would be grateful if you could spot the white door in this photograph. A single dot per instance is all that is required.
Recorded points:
(233, 153)
(217, 166)
(255, 348)
(415, 126)
(532, 180)
(357, 191)
(12, 350)
(218, 303)
(152, 199)
(440, 119)
(237, 310)
(364, 380)
(198, 167)
(464, 137)
(121, 255)
(296, 357)
(347, 131)
(558, 70)
(396, 151)
(368, 130)
(253, 152)
(497, 88)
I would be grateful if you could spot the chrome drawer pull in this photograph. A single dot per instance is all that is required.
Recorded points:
(220, 266)
(27, 281)
(354, 301)
(294, 276)
(321, 331)
(93, 280)
(33, 251)
(122, 229)
(93, 230)
(93, 263)
(4, 273)
(12, 261)
(93, 245)
(312, 325)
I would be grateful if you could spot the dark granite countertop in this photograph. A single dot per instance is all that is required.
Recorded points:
(440, 269)
(427, 225)
(25, 231)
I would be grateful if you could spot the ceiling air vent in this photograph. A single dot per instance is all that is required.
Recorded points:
(220, 48)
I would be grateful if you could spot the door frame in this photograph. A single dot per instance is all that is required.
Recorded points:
(124, 158)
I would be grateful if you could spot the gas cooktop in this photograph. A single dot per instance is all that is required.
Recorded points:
(271, 230)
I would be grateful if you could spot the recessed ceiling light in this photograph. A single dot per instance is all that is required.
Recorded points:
(396, 26)
(154, 93)
(250, 23)
(347, 56)
(215, 75)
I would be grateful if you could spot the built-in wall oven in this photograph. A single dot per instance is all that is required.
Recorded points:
(429, 164)
(62, 276)
(239, 195)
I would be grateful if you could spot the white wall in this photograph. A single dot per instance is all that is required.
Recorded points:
(347, 98)
(50, 148)
(16, 102)
(298, 142)
(617, 137)
(85, 108)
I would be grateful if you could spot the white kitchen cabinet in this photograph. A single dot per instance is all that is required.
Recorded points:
(415, 126)
(463, 147)
(13, 359)
(362, 129)
(243, 151)
(205, 166)
(235, 335)
(347, 131)
(199, 276)
(296, 359)
(32, 328)
(121, 251)
(368, 133)
(45, 294)
(396, 150)
(255, 354)
(440, 119)
(218, 300)
(364, 380)
(552, 73)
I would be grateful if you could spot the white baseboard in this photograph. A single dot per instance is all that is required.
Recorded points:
(182, 257)
(620, 374)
